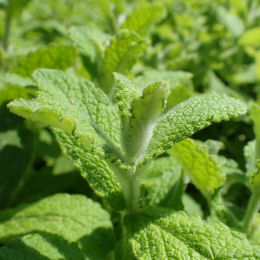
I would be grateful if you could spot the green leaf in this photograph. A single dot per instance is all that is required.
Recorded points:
(191, 116)
(179, 82)
(41, 246)
(251, 37)
(158, 179)
(232, 22)
(250, 156)
(255, 115)
(120, 55)
(162, 234)
(58, 226)
(87, 121)
(16, 86)
(142, 18)
(145, 111)
(90, 44)
(59, 56)
(203, 170)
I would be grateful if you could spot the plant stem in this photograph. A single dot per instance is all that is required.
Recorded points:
(252, 209)
(8, 20)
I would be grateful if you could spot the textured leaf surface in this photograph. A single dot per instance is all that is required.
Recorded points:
(158, 179)
(52, 57)
(142, 18)
(52, 224)
(78, 108)
(191, 116)
(70, 216)
(203, 170)
(161, 234)
(145, 112)
(120, 55)
(179, 82)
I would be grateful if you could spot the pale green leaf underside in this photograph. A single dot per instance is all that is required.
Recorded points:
(179, 82)
(69, 216)
(158, 179)
(59, 56)
(161, 234)
(142, 18)
(136, 133)
(83, 113)
(120, 55)
(199, 165)
(191, 116)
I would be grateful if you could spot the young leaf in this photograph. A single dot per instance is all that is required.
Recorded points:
(83, 112)
(145, 111)
(191, 116)
(162, 234)
(120, 55)
(142, 18)
(196, 161)
(179, 82)
(59, 226)
(59, 56)
(158, 179)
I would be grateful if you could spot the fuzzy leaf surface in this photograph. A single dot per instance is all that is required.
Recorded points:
(58, 56)
(145, 112)
(60, 225)
(203, 170)
(158, 179)
(120, 55)
(162, 234)
(83, 119)
(179, 82)
(191, 116)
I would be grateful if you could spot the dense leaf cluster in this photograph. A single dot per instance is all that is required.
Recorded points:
(102, 149)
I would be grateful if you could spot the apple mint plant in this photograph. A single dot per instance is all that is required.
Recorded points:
(101, 151)
(113, 142)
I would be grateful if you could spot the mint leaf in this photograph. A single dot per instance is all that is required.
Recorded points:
(137, 132)
(179, 82)
(59, 56)
(120, 55)
(191, 116)
(142, 18)
(90, 44)
(40, 246)
(158, 179)
(87, 121)
(69, 216)
(162, 234)
(251, 38)
(16, 86)
(203, 170)
(59, 226)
